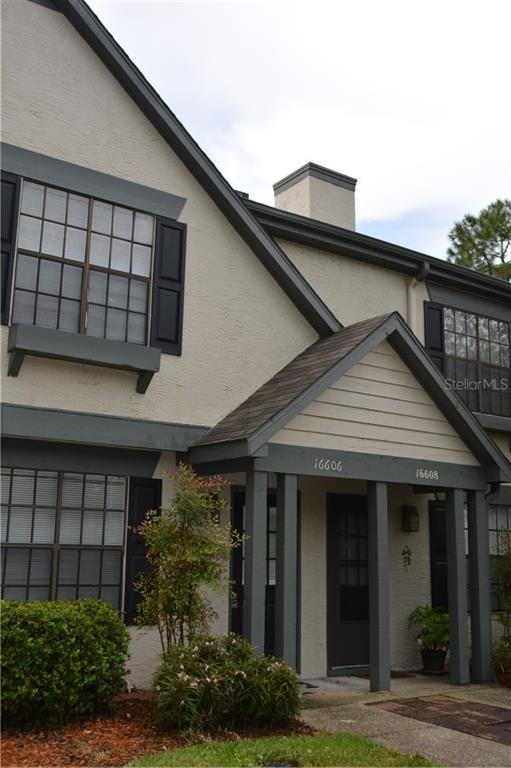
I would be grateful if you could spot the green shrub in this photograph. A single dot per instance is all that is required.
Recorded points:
(222, 683)
(502, 661)
(60, 660)
(433, 626)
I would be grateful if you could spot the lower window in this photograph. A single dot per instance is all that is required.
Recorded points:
(62, 535)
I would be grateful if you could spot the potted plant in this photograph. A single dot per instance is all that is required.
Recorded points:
(433, 637)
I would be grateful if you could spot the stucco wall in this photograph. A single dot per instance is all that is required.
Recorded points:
(355, 290)
(59, 99)
(408, 587)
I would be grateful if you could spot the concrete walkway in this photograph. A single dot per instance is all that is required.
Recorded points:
(341, 704)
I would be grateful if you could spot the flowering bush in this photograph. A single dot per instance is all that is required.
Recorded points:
(222, 683)
(187, 549)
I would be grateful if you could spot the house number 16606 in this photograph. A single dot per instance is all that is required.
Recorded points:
(327, 465)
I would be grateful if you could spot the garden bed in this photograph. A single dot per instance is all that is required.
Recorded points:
(103, 742)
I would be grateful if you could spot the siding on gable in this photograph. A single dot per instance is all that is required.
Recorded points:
(378, 407)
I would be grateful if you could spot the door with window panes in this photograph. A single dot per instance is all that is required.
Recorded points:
(347, 582)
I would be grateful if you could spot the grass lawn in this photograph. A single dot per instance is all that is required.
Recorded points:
(342, 749)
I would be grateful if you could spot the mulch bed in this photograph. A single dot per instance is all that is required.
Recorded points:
(108, 741)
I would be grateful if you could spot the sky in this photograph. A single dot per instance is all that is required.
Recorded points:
(411, 98)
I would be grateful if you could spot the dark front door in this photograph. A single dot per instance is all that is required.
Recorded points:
(347, 585)
(237, 521)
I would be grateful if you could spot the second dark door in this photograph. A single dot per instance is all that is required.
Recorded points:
(347, 582)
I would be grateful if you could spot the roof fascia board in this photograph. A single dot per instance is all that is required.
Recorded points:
(280, 419)
(327, 237)
(31, 423)
(301, 460)
(451, 405)
(469, 302)
(226, 451)
(498, 423)
(228, 201)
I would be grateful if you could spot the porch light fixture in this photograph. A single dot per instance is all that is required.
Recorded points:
(409, 519)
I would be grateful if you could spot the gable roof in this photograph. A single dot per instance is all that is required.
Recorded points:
(273, 405)
(186, 148)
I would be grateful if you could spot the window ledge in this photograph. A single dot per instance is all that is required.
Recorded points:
(498, 423)
(46, 342)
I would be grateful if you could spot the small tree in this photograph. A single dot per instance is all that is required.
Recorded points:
(187, 550)
(483, 242)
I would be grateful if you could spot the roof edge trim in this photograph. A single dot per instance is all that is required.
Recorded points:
(200, 166)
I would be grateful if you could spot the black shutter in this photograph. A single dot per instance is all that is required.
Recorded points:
(438, 554)
(145, 493)
(168, 288)
(434, 332)
(10, 198)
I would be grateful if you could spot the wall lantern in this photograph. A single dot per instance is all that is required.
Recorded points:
(409, 519)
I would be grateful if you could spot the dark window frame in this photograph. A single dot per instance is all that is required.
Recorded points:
(86, 266)
(479, 399)
(438, 556)
(56, 547)
(494, 556)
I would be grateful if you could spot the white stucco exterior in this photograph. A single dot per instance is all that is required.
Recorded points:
(230, 346)
(356, 290)
(239, 329)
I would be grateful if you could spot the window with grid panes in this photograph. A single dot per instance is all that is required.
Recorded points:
(271, 547)
(83, 265)
(499, 522)
(477, 354)
(62, 535)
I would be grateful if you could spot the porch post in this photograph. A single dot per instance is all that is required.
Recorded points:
(287, 563)
(378, 556)
(255, 559)
(457, 587)
(480, 599)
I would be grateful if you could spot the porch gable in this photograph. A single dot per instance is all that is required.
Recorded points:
(369, 390)
(377, 407)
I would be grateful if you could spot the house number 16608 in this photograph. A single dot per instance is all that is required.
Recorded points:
(327, 465)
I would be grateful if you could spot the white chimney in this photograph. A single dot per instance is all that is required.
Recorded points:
(318, 193)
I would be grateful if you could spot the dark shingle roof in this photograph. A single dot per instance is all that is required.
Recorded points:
(289, 383)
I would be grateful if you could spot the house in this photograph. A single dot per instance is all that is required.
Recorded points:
(355, 393)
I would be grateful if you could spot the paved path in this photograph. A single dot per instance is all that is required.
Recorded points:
(442, 746)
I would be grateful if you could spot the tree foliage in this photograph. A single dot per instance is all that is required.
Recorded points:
(187, 550)
(483, 242)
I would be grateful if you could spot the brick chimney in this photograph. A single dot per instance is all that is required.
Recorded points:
(318, 193)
